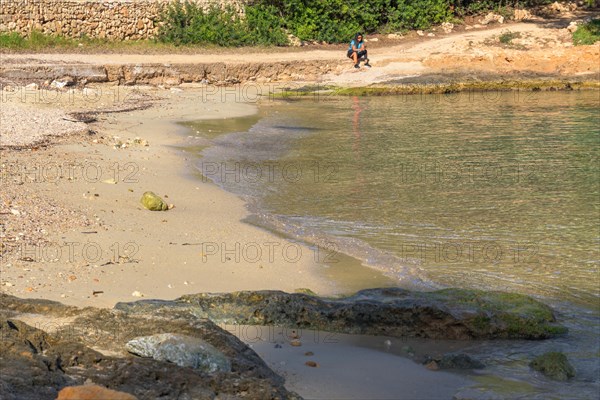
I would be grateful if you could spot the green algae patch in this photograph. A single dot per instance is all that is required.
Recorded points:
(504, 386)
(510, 315)
(437, 85)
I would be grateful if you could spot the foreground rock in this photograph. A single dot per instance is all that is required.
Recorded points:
(92, 392)
(46, 346)
(444, 314)
(554, 365)
(185, 351)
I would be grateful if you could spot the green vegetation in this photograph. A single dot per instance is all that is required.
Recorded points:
(188, 23)
(40, 41)
(267, 23)
(588, 33)
(333, 21)
(508, 36)
(36, 40)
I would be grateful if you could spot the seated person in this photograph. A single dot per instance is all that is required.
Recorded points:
(358, 51)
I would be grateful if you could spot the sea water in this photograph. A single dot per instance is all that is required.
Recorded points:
(496, 191)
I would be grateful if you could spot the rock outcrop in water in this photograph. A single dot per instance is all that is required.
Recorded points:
(443, 314)
(47, 346)
(554, 365)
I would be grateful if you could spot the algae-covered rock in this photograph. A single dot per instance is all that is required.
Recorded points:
(183, 350)
(153, 202)
(554, 365)
(443, 314)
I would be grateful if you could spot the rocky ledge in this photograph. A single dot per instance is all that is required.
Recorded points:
(175, 350)
(46, 346)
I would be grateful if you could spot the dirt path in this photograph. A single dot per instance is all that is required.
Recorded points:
(536, 48)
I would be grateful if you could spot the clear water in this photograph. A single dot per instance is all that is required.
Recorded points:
(484, 190)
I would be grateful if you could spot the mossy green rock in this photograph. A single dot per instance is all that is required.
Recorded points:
(153, 202)
(554, 365)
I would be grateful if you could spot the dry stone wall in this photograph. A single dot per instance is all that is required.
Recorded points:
(105, 19)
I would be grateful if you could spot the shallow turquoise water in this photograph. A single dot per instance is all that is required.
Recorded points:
(488, 190)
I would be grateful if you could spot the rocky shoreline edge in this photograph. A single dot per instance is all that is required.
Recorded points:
(176, 349)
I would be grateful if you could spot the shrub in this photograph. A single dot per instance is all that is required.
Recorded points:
(508, 36)
(588, 33)
(189, 23)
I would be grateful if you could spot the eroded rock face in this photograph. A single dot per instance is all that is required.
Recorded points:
(47, 346)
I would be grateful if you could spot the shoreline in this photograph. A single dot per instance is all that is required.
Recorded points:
(204, 245)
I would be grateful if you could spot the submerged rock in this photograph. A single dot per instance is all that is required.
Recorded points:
(554, 365)
(153, 202)
(185, 351)
(459, 361)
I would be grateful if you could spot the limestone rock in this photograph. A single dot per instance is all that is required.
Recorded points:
(521, 15)
(492, 17)
(183, 350)
(447, 27)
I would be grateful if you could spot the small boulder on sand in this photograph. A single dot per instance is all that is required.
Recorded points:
(153, 202)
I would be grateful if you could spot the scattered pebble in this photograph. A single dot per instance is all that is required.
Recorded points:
(432, 365)
(311, 364)
(137, 294)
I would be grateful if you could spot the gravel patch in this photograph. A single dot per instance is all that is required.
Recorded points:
(22, 126)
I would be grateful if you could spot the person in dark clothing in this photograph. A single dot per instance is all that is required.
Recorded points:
(358, 51)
